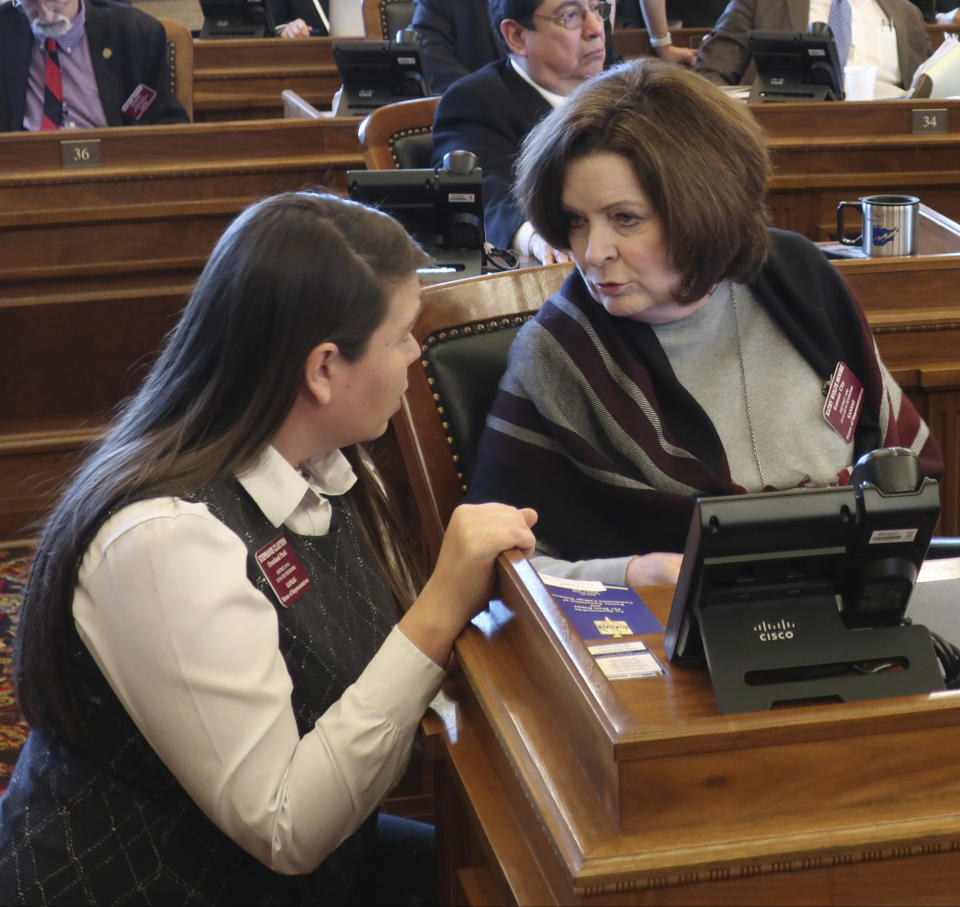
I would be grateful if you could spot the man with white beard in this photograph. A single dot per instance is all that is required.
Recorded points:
(76, 64)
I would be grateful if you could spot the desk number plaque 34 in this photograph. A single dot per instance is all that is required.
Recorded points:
(930, 119)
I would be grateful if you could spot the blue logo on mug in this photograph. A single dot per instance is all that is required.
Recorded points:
(884, 235)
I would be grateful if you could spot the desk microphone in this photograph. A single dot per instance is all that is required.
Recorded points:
(897, 511)
(894, 470)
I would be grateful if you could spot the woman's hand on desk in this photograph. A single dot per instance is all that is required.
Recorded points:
(462, 581)
(655, 569)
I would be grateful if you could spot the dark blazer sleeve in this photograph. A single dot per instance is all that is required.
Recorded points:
(129, 47)
(455, 39)
(489, 112)
(927, 10)
(16, 42)
(725, 57)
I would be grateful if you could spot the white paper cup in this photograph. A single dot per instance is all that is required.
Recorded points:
(859, 81)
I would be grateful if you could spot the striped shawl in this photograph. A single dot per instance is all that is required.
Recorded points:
(592, 428)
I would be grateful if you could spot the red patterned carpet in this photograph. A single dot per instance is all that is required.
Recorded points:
(14, 564)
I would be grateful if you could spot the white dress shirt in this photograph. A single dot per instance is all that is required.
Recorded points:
(521, 239)
(873, 42)
(191, 649)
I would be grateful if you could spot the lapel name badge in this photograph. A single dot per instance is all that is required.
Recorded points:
(844, 402)
(284, 571)
(139, 101)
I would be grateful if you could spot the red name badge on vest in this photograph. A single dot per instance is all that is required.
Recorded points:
(844, 402)
(284, 570)
(139, 101)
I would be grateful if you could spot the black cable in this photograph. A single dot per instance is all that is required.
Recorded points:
(949, 657)
(500, 259)
(947, 654)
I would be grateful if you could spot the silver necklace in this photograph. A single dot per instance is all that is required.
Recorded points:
(743, 378)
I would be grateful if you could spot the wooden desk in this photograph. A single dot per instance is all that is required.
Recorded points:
(241, 78)
(937, 33)
(96, 263)
(157, 203)
(823, 153)
(635, 42)
(560, 787)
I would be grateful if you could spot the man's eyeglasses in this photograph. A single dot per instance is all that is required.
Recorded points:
(55, 6)
(575, 18)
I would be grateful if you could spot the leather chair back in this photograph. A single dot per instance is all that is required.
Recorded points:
(465, 330)
(412, 148)
(180, 62)
(399, 135)
(382, 19)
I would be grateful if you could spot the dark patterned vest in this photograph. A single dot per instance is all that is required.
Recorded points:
(110, 823)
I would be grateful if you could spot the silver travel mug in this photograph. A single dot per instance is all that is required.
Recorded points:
(889, 224)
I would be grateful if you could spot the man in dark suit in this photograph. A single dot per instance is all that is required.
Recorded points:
(456, 36)
(112, 61)
(490, 111)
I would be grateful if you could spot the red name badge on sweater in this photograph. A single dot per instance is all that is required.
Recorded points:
(139, 101)
(844, 402)
(284, 571)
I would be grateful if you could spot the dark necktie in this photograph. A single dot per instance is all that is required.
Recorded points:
(839, 22)
(52, 89)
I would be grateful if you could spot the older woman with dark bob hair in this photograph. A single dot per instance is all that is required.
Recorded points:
(223, 654)
(690, 351)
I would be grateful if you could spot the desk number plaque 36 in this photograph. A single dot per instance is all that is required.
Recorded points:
(82, 153)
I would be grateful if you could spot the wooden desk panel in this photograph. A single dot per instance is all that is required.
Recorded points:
(136, 159)
(95, 265)
(161, 197)
(241, 78)
(824, 153)
(849, 803)
(849, 119)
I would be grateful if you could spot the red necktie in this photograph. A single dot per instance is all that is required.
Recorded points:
(52, 90)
